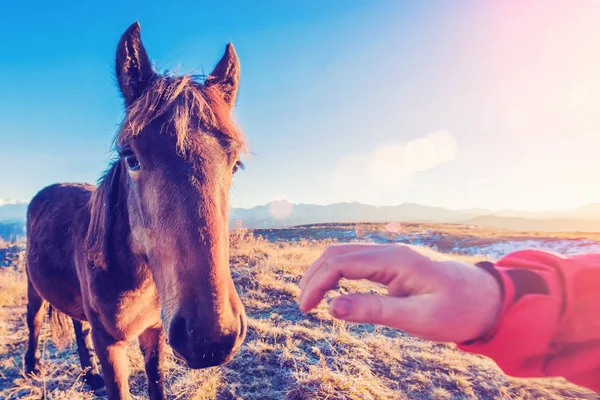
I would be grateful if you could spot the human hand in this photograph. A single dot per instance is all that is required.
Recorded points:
(429, 295)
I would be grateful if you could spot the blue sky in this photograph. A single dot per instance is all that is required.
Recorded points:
(458, 104)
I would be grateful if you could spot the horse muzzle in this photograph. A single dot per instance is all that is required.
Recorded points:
(199, 347)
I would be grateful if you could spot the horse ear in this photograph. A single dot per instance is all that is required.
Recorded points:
(133, 67)
(226, 76)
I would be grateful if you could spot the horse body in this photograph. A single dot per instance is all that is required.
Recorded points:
(55, 222)
(145, 253)
(56, 216)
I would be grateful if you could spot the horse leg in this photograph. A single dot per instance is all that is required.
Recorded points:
(113, 359)
(35, 319)
(152, 347)
(86, 355)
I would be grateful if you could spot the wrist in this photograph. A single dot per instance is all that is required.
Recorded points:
(491, 287)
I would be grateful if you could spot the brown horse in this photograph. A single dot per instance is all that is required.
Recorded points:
(149, 247)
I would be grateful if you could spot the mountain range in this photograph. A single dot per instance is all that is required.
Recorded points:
(12, 219)
(280, 214)
(12, 211)
(584, 219)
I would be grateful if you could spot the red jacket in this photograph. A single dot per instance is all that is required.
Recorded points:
(550, 320)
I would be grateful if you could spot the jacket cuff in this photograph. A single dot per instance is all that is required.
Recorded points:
(505, 285)
(529, 317)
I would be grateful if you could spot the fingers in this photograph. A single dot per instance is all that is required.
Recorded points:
(369, 265)
(332, 252)
(405, 313)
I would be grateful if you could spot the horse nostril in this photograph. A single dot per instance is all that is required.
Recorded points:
(242, 328)
(178, 335)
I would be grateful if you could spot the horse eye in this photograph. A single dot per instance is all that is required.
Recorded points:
(132, 162)
(237, 166)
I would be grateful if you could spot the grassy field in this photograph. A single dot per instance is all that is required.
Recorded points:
(287, 354)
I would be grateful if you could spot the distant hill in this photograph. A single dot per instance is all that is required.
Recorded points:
(280, 214)
(10, 231)
(300, 214)
(584, 219)
(12, 211)
(540, 225)
(12, 219)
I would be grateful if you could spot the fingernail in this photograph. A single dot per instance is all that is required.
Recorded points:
(301, 305)
(341, 308)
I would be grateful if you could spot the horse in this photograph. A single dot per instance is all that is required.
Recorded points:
(145, 253)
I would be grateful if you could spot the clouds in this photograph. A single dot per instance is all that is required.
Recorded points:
(368, 176)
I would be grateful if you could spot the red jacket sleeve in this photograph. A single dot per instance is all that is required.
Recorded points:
(550, 319)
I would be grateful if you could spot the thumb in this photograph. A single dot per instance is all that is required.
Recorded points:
(404, 313)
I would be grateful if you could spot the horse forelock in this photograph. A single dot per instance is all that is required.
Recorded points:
(183, 102)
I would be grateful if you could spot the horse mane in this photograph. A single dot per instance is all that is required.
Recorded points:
(187, 101)
(103, 204)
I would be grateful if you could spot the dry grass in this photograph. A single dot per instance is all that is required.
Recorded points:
(287, 355)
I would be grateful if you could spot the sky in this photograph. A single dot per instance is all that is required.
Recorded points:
(458, 104)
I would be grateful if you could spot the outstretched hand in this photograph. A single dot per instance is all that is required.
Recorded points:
(429, 295)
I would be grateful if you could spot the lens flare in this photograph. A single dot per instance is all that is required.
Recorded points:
(280, 209)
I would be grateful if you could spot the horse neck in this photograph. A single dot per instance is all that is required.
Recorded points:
(125, 259)
(111, 198)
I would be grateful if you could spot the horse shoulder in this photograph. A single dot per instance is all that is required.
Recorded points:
(123, 299)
